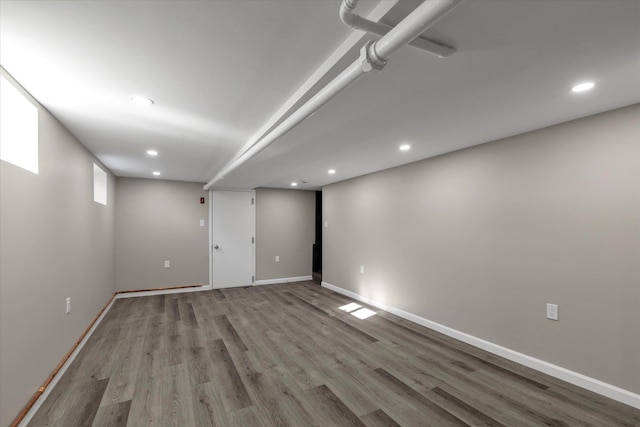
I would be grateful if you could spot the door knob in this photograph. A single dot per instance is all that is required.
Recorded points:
(216, 247)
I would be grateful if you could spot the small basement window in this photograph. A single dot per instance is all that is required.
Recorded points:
(99, 185)
(18, 128)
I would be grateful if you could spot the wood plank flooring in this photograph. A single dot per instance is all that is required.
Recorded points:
(286, 355)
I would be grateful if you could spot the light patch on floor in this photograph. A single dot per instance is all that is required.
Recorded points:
(350, 307)
(363, 313)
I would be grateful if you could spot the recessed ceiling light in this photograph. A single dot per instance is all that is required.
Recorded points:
(152, 152)
(141, 101)
(405, 147)
(294, 184)
(582, 87)
(332, 171)
(156, 173)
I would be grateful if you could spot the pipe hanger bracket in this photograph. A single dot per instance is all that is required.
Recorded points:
(371, 61)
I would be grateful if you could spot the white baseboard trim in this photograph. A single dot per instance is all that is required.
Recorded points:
(163, 292)
(283, 280)
(575, 378)
(27, 418)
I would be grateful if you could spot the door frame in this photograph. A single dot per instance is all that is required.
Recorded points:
(211, 233)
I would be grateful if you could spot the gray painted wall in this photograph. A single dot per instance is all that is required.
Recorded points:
(481, 239)
(156, 221)
(285, 226)
(56, 242)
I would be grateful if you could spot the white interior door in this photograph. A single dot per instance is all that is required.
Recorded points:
(232, 238)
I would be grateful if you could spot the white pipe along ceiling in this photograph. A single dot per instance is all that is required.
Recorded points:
(357, 22)
(373, 56)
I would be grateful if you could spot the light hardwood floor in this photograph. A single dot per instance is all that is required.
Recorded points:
(286, 354)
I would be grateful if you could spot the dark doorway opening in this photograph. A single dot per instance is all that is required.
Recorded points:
(317, 246)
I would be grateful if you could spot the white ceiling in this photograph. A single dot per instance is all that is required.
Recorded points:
(218, 71)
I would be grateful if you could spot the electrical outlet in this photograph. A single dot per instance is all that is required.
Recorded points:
(277, 258)
(552, 311)
(68, 305)
(167, 264)
(202, 223)
(326, 223)
(362, 269)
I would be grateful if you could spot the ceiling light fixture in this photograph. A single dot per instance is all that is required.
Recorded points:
(294, 184)
(156, 173)
(141, 101)
(332, 171)
(405, 147)
(583, 87)
(152, 153)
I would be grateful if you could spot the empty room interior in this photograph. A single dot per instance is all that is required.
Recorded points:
(320, 213)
